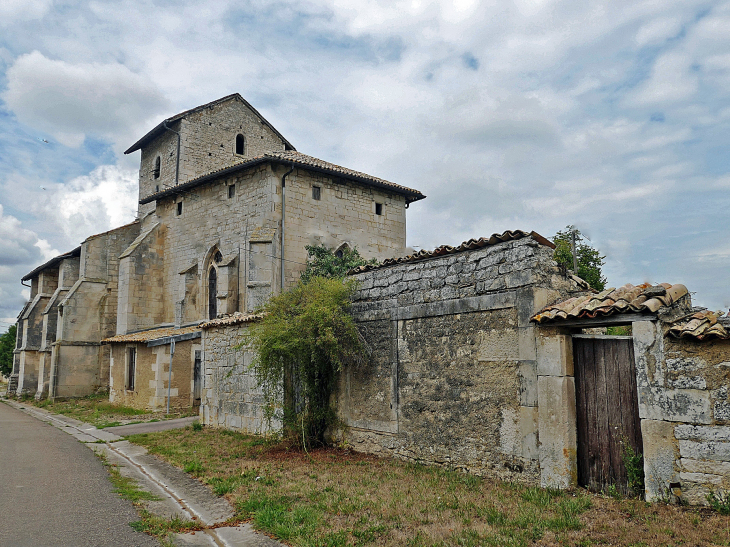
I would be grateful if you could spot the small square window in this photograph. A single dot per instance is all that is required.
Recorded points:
(179, 208)
(231, 191)
(378, 208)
(316, 193)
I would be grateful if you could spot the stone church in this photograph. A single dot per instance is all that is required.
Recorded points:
(226, 208)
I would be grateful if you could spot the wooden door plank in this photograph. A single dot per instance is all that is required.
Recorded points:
(581, 408)
(593, 455)
(614, 399)
(603, 428)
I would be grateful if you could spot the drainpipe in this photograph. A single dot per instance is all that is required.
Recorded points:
(177, 164)
(169, 374)
(283, 217)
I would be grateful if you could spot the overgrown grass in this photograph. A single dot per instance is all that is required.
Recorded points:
(335, 498)
(98, 411)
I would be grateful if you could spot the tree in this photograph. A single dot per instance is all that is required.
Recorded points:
(590, 260)
(324, 262)
(305, 337)
(7, 345)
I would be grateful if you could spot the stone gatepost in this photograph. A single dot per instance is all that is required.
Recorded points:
(556, 409)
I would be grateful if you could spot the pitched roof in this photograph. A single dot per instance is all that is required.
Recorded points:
(235, 318)
(52, 262)
(158, 129)
(152, 334)
(468, 245)
(295, 159)
(702, 325)
(626, 299)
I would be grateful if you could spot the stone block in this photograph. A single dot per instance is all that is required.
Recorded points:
(660, 454)
(702, 433)
(527, 373)
(557, 433)
(529, 419)
(554, 355)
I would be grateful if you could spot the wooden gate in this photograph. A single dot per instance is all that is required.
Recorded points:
(607, 409)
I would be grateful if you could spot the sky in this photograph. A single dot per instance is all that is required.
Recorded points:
(531, 114)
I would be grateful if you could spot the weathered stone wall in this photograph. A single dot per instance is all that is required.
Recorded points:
(453, 377)
(152, 375)
(685, 414)
(231, 397)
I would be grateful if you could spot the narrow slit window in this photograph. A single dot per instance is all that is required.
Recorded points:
(378, 208)
(156, 170)
(231, 191)
(131, 367)
(316, 193)
(179, 208)
(240, 144)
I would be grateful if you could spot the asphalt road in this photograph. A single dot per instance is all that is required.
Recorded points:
(55, 493)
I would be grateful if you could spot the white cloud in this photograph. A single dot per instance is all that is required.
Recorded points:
(100, 201)
(13, 11)
(671, 81)
(71, 100)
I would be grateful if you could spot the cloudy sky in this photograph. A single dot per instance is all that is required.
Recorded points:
(527, 114)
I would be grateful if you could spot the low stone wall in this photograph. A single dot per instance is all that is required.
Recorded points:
(453, 377)
(683, 402)
(231, 397)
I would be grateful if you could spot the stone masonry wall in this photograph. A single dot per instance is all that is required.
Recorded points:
(208, 143)
(685, 414)
(231, 397)
(344, 214)
(453, 375)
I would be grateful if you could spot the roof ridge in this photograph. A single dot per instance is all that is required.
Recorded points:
(160, 126)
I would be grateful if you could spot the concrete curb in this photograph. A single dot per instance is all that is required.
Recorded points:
(179, 494)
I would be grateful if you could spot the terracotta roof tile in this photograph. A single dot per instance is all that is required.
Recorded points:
(471, 244)
(152, 334)
(701, 325)
(236, 318)
(626, 299)
(290, 157)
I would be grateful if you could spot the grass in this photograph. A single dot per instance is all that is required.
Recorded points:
(98, 411)
(332, 498)
(159, 527)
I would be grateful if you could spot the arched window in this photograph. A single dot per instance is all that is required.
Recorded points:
(156, 170)
(240, 144)
(212, 294)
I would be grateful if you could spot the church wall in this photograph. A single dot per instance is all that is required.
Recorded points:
(210, 218)
(345, 213)
(88, 314)
(164, 146)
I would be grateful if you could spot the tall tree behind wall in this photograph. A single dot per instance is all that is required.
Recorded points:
(7, 345)
(590, 260)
